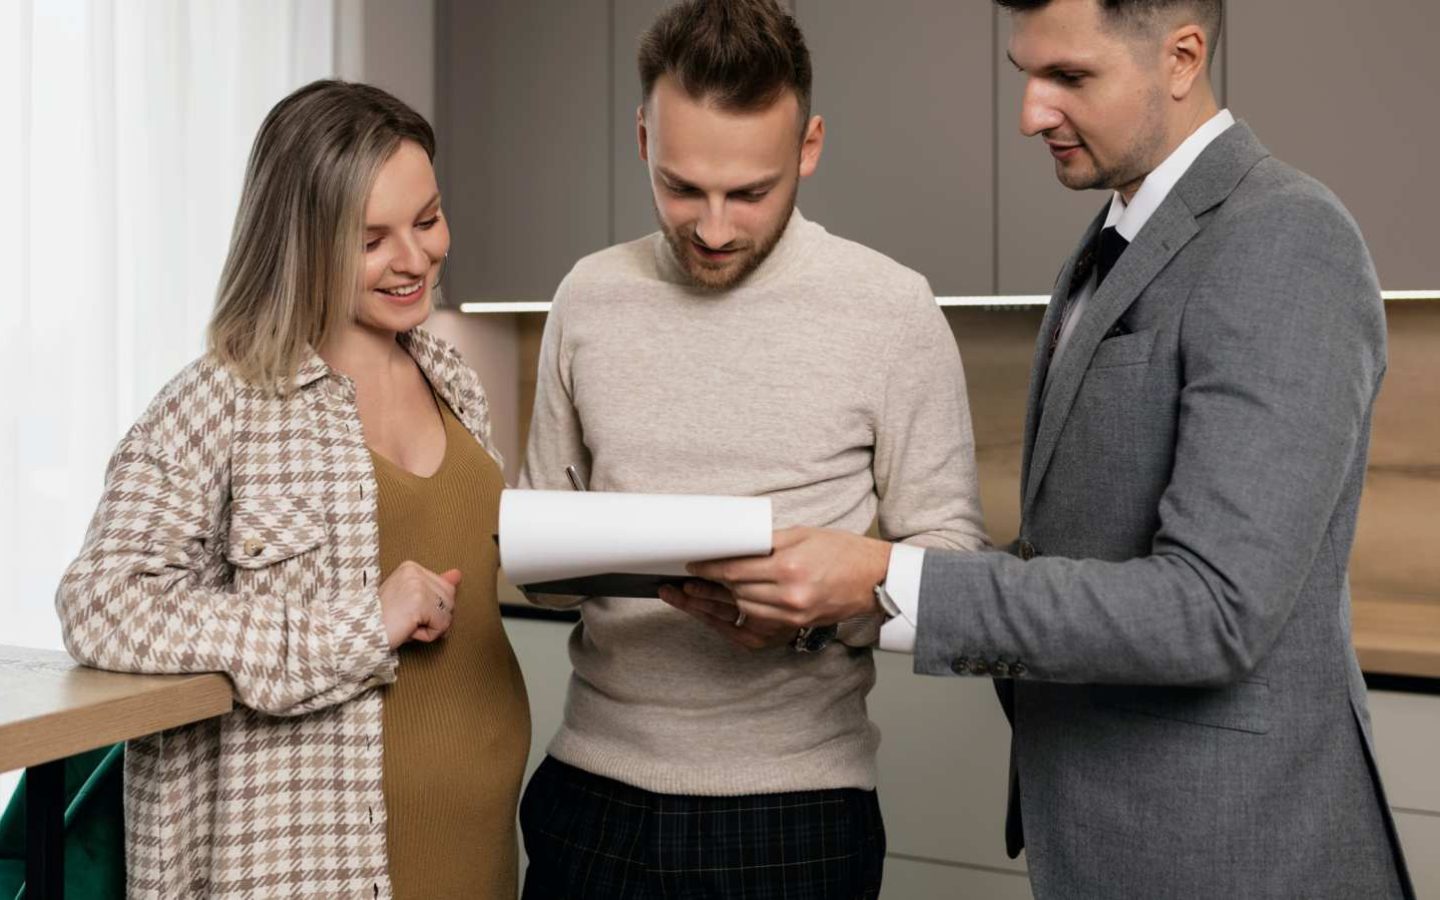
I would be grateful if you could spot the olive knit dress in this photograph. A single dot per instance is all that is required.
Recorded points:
(456, 719)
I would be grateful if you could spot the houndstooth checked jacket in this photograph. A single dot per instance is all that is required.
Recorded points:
(236, 534)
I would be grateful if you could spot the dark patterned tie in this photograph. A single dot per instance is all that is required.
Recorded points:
(1100, 257)
(1110, 246)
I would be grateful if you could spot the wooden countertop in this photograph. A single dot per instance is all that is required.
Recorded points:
(1397, 637)
(52, 707)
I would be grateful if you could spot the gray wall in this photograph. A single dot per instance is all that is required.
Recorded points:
(906, 89)
(523, 114)
(924, 161)
(390, 45)
(1348, 93)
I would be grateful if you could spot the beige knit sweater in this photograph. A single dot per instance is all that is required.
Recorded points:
(827, 381)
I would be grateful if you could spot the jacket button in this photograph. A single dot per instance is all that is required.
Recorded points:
(1028, 551)
(1018, 669)
(960, 666)
(253, 547)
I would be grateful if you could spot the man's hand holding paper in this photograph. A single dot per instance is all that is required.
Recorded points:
(814, 576)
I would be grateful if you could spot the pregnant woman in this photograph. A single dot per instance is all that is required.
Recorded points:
(308, 509)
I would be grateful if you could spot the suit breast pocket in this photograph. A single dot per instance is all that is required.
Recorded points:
(1124, 350)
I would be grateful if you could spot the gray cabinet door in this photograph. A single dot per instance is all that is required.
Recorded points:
(905, 87)
(523, 126)
(1346, 91)
(633, 207)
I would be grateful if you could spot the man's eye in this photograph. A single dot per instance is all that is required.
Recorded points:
(1069, 78)
(752, 196)
(680, 190)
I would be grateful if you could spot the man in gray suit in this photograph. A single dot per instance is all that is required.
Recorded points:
(1171, 632)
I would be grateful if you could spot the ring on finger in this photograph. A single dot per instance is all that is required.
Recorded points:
(740, 619)
(440, 602)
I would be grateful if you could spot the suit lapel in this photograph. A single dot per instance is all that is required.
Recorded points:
(1209, 181)
(1040, 363)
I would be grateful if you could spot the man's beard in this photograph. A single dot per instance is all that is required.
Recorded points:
(1139, 160)
(725, 276)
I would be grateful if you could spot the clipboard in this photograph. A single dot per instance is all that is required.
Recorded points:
(614, 584)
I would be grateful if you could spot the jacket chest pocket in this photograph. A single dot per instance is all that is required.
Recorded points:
(268, 529)
(1124, 350)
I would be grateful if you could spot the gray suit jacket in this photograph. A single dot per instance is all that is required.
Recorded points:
(1188, 716)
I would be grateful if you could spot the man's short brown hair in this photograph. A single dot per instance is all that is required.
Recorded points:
(1145, 16)
(739, 54)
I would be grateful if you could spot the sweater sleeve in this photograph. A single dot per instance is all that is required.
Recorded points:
(143, 596)
(556, 439)
(925, 472)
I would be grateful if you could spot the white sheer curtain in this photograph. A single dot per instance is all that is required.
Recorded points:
(126, 128)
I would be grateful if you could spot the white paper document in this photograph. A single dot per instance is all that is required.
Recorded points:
(550, 537)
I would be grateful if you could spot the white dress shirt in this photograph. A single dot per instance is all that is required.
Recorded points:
(902, 580)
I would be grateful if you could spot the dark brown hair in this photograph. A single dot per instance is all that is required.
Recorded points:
(740, 54)
(1145, 15)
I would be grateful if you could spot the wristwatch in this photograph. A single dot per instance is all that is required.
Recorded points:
(887, 602)
(814, 638)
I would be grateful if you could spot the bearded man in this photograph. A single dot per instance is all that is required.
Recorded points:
(739, 350)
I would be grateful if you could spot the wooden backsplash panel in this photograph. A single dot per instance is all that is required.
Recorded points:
(996, 346)
(532, 329)
(1397, 541)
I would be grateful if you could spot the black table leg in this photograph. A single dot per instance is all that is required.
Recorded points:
(45, 831)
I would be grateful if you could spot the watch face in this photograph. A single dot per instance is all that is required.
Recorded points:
(814, 640)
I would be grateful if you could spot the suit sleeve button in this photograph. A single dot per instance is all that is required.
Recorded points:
(1018, 669)
(960, 665)
(978, 667)
(1001, 669)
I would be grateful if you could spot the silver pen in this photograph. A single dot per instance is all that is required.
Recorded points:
(574, 475)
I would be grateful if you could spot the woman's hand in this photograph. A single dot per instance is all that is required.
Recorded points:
(416, 604)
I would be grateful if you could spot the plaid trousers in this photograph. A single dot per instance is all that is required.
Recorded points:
(592, 837)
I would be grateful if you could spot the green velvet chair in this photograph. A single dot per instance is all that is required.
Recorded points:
(94, 829)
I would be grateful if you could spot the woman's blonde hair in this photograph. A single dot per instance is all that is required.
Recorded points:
(295, 267)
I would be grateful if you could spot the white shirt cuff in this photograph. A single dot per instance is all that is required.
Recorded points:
(902, 583)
